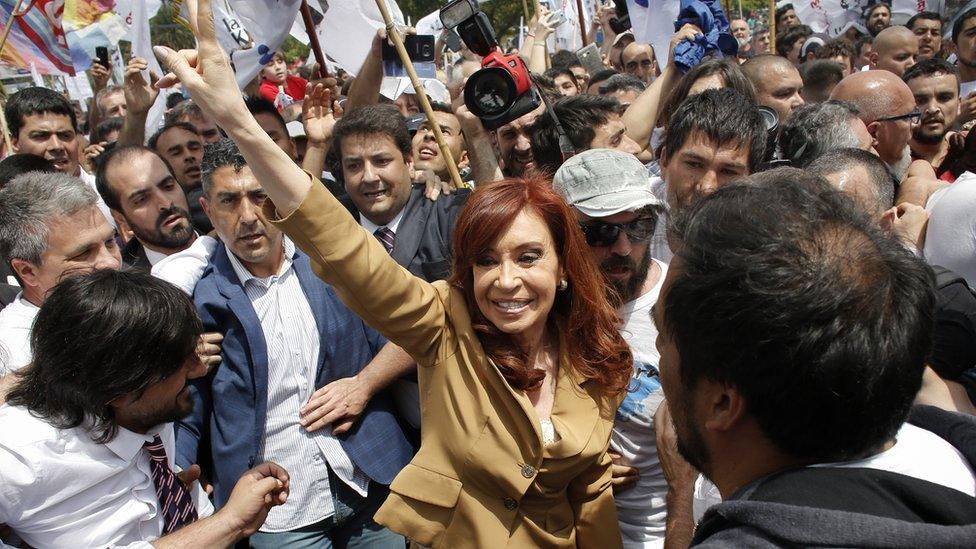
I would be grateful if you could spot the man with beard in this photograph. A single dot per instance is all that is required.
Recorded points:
(611, 195)
(877, 17)
(740, 30)
(143, 195)
(86, 449)
(936, 89)
(514, 144)
(182, 148)
(793, 337)
(887, 108)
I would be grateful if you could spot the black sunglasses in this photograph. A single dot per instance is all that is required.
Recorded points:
(912, 117)
(598, 233)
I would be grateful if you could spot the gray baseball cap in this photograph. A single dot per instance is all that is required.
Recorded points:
(604, 182)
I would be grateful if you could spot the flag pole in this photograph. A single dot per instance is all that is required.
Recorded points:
(313, 40)
(581, 20)
(393, 34)
(8, 146)
(772, 27)
(10, 24)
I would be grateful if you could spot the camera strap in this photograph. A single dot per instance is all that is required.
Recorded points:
(566, 148)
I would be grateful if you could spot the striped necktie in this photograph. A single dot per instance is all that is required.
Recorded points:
(174, 497)
(386, 238)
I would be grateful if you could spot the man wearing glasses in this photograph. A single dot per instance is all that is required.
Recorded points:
(610, 192)
(888, 110)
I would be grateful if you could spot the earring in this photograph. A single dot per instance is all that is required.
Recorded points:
(563, 284)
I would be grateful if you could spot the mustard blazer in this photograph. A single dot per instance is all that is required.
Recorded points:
(482, 477)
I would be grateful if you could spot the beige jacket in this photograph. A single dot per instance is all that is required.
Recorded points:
(482, 477)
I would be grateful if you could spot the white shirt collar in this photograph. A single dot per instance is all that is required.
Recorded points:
(153, 256)
(244, 275)
(127, 444)
(392, 225)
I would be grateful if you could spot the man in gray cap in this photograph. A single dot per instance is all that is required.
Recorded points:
(610, 192)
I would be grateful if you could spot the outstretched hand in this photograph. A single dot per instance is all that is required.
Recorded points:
(205, 72)
(139, 95)
(319, 114)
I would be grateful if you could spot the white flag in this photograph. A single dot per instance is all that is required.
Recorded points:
(136, 14)
(348, 27)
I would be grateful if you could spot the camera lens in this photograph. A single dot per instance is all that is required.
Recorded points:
(489, 92)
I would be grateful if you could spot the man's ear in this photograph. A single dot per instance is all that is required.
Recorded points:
(874, 128)
(205, 205)
(13, 143)
(663, 159)
(873, 59)
(26, 272)
(463, 161)
(725, 406)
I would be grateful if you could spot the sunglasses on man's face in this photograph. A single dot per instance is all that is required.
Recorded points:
(912, 117)
(598, 233)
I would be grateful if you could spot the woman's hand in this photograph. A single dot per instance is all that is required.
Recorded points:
(205, 72)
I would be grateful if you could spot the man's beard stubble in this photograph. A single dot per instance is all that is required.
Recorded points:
(626, 290)
(177, 239)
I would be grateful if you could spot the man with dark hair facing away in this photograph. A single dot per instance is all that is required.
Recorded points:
(793, 337)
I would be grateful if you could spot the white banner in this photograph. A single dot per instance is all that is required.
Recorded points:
(654, 24)
(348, 27)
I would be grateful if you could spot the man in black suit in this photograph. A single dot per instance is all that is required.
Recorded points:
(140, 190)
(371, 149)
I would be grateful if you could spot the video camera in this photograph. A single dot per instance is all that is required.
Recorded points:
(502, 90)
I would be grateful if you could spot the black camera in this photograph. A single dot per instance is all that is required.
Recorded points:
(502, 90)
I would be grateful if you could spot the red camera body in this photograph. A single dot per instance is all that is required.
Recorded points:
(513, 65)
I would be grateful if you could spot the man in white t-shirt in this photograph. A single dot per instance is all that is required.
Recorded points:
(611, 194)
(50, 226)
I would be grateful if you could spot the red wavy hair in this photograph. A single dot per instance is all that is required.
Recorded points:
(597, 350)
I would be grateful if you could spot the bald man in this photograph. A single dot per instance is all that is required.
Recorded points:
(777, 82)
(895, 49)
(887, 107)
(638, 60)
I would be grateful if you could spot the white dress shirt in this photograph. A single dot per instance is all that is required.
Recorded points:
(16, 322)
(291, 336)
(58, 488)
(392, 225)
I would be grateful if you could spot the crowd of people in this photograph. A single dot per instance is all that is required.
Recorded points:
(725, 307)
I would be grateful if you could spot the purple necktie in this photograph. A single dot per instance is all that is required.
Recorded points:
(386, 237)
(174, 497)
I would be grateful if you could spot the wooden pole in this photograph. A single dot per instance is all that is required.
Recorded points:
(772, 27)
(8, 145)
(393, 34)
(10, 24)
(581, 20)
(313, 40)
(525, 11)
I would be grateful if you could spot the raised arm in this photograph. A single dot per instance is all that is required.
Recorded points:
(642, 115)
(405, 309)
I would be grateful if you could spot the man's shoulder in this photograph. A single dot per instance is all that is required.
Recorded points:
(445, 207)
(21, 429)
(17, 315)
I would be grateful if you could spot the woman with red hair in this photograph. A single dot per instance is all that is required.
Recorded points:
(521, 366)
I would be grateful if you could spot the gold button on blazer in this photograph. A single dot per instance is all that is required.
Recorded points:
(482, 477)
